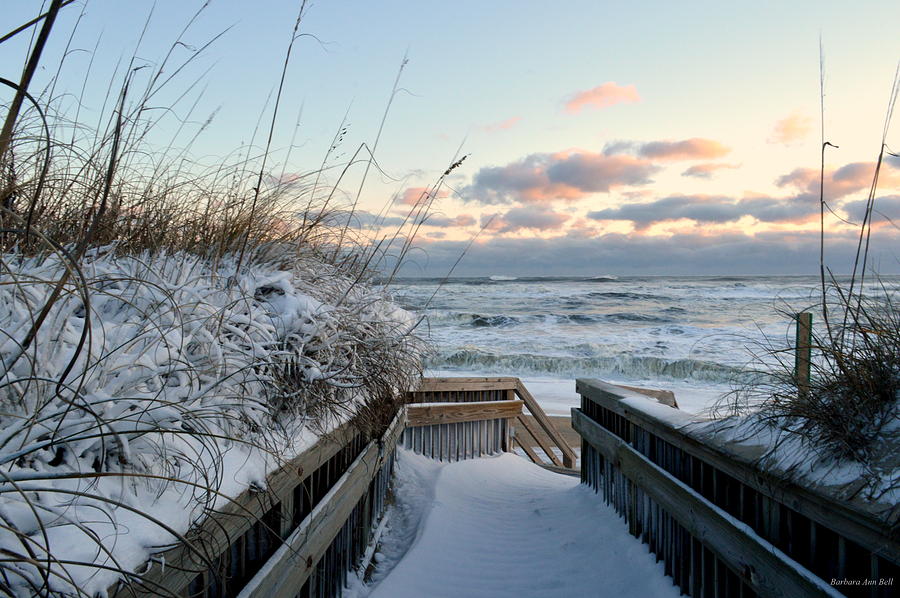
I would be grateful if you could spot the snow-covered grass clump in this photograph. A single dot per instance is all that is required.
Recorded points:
(147, 388)
(840, 427)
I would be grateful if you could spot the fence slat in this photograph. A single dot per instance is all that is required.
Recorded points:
(466, 384)
(841, 517)
(231, 521)
(568, 455)
(296, 560)
(525, 423)
(761, 564)
(445, 413)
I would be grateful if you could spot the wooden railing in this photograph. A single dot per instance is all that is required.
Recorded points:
(328, 540)
(457, 418)
(722, 526)
(298, 536)
(310, 525)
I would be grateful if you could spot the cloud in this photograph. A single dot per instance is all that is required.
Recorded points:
(524, 217)
(582, 228)
(846, 180)
(461, 220)
(502, 126)
(564, 175)
(602, 96)
(710, 210)
(597, 172)
(792, 129)
(413, 196)
(707, 169)
(634, 254)
(688, 149)
(839, 183)
(619, 146)
(885, 209)
(367, 220)
(695, 148)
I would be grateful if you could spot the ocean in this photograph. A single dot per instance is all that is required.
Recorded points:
(696, 336)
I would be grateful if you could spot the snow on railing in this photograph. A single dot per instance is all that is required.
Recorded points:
(722, 525)
(300, 535)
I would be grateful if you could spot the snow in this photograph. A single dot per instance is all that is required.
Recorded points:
(557, 396)
(503, 527)
(773, 447)
(155, 391)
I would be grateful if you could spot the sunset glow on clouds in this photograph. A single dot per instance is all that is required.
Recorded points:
(659, 199)
(569, 175)
(651, 137)
(707, 169)
(603, 96)
(413, 196)
(460, 220)
(689, 149)
(840, 182)
(502, 125)
(792, 129)
(553, 197)
(703, 210)
(526, 217)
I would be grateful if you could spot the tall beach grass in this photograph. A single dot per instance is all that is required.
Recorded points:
(161, 319)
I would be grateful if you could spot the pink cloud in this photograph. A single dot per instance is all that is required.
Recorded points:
(461, 220)
(791, 129)
(851, 178)
(568, 176)
(603, 96)
(503, 125)
(413, 196)
(524, 217)
(581, 229)
(695, 148)
(707, 169)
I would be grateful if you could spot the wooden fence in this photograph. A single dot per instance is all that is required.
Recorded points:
(308, 528)
(461, 418)
(300, 536)
(722, 526)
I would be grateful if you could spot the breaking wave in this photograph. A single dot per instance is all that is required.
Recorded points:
(491, 321)
(632, 317)
(626, 295)
(628, 366)
(503, 321)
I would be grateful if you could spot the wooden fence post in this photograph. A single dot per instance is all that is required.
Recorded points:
(802, 352)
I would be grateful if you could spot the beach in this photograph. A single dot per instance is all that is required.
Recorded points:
(696, 336)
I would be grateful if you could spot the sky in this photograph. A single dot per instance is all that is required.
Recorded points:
(599, 138)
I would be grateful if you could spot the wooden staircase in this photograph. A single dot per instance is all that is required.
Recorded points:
(453, 418)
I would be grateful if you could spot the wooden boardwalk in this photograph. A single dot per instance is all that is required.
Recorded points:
(503, 527)
(489, 523)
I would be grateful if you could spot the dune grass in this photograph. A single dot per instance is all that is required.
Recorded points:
(848, 411)
(160, 317)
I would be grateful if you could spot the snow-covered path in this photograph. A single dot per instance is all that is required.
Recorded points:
(503, 527)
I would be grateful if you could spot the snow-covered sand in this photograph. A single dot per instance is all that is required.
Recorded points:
(503, 527)
(557, 396)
